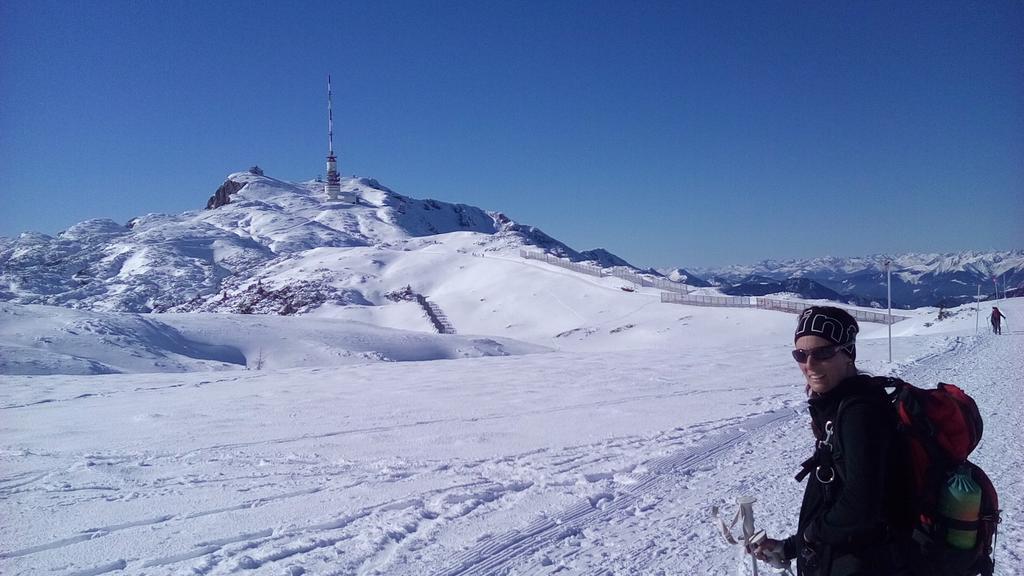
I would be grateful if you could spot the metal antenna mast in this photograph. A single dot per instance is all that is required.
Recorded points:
(333, 186)
(330, 119)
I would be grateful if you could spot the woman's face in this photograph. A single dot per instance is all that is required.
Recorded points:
(824, 375)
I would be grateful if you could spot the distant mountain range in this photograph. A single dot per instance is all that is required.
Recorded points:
(917, 279)
(254, 249)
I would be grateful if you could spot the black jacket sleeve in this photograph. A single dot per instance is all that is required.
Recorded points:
(864, 437)
(791, 546)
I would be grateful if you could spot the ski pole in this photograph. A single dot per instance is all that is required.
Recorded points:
(747, 511)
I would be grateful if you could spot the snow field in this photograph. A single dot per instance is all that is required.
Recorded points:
(47, 340)
(573, 462)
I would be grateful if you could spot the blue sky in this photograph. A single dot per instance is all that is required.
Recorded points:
(671, 133)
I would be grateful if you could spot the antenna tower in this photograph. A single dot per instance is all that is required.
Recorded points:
(333, 186)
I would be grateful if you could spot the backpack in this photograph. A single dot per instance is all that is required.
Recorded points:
(938, 429)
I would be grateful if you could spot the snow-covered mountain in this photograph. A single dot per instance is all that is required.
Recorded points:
(763, 286)
(249, 245)
(917, 279)
(264, 245)
(684, 275)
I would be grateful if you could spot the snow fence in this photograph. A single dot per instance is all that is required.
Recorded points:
(678, 293)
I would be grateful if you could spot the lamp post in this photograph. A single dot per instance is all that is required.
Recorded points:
(888, 297)
(977, 310)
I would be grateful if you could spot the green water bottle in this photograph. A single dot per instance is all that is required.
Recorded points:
(961, 500)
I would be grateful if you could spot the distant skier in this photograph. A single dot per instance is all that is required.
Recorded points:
(997, 320)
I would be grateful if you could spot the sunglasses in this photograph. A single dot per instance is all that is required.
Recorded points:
(823, 353)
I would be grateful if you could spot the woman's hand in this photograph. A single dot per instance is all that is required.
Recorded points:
(771, 551)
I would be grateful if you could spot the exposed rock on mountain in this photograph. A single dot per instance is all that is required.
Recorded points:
(223, 194)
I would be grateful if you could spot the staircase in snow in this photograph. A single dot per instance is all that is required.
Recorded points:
(436, 315)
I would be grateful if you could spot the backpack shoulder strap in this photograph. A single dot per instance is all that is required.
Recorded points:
(884, 382)
(824, 449)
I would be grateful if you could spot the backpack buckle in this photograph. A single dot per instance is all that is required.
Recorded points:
(827, 442)
(831, 474)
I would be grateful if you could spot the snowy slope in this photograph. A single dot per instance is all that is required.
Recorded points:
(52, 340)
(160, 262)
(571, 462)
(491, 298)
(501, 305)
(478, 280)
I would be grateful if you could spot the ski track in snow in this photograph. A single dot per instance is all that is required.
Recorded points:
(657, 483)
(402, 518)
(626, 505)
(542, 548)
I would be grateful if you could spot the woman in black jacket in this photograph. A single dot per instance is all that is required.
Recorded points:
(853, 519)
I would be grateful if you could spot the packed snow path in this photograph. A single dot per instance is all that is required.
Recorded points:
(614, 537)
(554, 463)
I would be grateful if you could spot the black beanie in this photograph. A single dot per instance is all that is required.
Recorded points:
(831, 323)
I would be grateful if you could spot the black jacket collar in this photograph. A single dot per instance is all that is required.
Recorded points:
(852, 386)
(825, 406)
